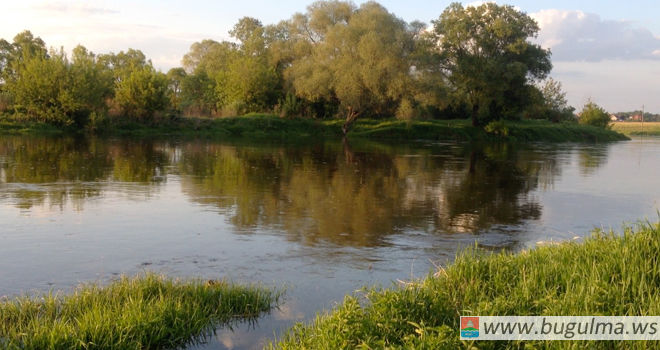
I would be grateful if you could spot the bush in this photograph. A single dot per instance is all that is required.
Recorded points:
(593, 114)
(497, 128)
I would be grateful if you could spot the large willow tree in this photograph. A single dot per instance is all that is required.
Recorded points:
(488, 58)
(358, 57)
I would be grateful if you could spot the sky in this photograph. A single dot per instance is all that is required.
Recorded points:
(606, 51)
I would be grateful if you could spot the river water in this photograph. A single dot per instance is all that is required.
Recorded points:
(319, 219)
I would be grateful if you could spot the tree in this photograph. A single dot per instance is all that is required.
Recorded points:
(142, 93)
(208, 56)
(91, 84)
(595, 115)
(488, 59)
(42, 89)
(198, 93)
(176, 77)
(13, 56)
(123, 63)
(357, 57)
(549, 102)
(249, 82)
(204, 61)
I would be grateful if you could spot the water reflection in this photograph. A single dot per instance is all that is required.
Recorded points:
(592, 157)
(320, 219)
(41, 171)
(331, 193)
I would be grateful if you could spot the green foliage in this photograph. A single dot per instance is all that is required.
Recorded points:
(618, 276)
(548, 101)
(142, 92)
(291, 106)
(198, 93)
(497, 127)
(42, 89)
(488, 58)
(357, 56)
(594, 115)
(176, 77)
(123, 63)
(148, 311)
(406, 110)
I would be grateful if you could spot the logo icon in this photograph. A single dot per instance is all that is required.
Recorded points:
(469, 327)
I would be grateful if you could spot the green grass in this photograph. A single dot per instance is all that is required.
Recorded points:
(253, 126)
(12, 126)
(637, 128)
(144, 312)
(265, 126)
(606, 274)
(526, 130)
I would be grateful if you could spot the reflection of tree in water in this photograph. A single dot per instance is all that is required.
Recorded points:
(349, 195)
(592, 157)
(492, 191)
(138, 161)
(54, 171)
(354, 197)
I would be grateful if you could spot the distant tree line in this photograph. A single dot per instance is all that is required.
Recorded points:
(334, 60)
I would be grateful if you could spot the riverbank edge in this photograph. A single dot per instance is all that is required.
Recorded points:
(605, 274)
(146, 311)
(273, 127)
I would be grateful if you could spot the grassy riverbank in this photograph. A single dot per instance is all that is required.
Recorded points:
(258, 126)
(145, 312)
(9, 126)
(606, 274)
(637, 128)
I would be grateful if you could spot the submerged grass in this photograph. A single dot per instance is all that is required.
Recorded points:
(637, 128)
(145, 312)
(606, 274)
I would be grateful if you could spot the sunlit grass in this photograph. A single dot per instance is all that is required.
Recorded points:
(637, 128)
(606, 274)
(144, 312)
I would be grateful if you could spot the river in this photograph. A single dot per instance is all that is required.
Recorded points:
(320, 219)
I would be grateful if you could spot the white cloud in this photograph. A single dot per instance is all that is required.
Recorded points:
(580, 36)
(617, 85)
(73, 7)
(161, 34)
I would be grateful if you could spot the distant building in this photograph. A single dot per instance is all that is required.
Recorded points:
(636, 118)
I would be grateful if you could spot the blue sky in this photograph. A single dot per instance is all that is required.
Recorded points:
(606, 51)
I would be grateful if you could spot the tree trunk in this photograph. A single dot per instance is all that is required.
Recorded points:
(475, 115)
(350, 118)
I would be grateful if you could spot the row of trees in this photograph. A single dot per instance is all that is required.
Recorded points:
(336, 59)
(51, 87)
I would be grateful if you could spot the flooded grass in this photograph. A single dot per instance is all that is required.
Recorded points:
(637, 128)
(607, 274)
(144, 312)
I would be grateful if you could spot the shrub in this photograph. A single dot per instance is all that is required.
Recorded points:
(593, 114)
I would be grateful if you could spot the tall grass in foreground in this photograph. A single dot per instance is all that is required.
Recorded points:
(604, 275)
(144, 312)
